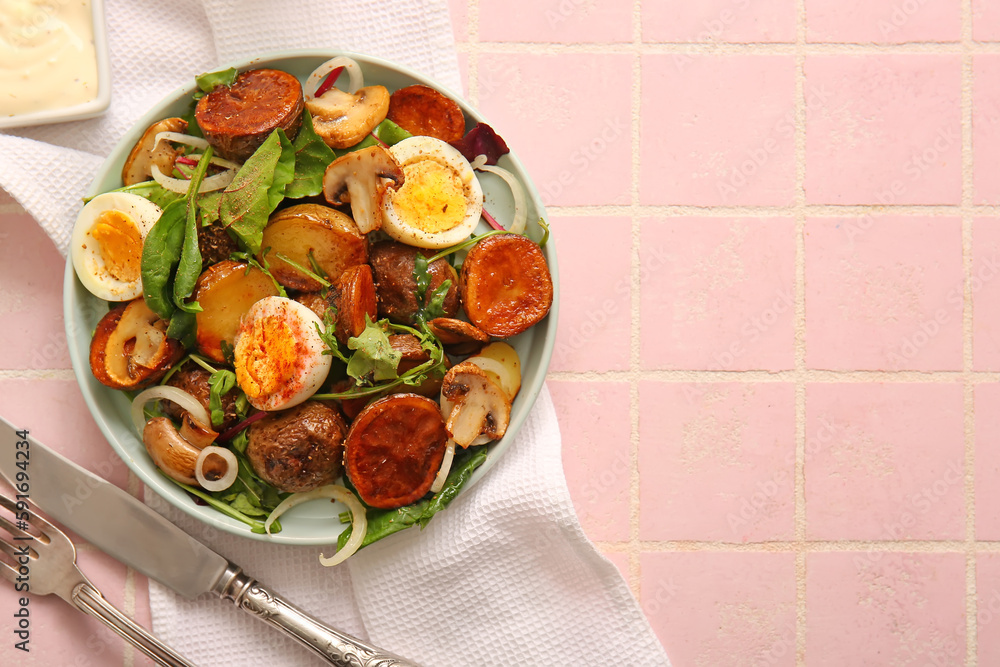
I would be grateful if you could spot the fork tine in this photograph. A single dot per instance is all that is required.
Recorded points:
(12, 551)
(9, 526)
(46, 528)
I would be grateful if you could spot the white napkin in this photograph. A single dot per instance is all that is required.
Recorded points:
(505, 575)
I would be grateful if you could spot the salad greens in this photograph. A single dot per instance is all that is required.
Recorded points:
(374, 359)
(312, 156)
(171, 264)
(257, 189)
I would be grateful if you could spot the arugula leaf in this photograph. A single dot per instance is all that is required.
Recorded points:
(161, 253)
(220, 383)
(189, 265)
(374, 358)
(435, 305)
(421, 275)
(328, 336)
(312, 156)
(545, 232)
(382, 523)
(209, 81)
(257, 189)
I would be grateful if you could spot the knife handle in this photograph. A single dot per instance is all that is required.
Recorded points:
(337, 647)
(88, 599)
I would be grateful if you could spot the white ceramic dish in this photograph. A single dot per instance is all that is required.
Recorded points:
(314, 522)
(94, 107)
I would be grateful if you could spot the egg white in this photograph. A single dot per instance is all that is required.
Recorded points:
(87, 252)
(416, 149)
(278, 347)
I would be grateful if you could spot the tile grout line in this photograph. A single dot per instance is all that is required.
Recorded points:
(971, 629)
(716, 48)
(957, 546)
(472, 35)
(799, 212)
(811, 376)
(812, 210)
(635, 361)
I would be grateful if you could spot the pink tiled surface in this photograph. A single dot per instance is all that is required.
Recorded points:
(777, 364)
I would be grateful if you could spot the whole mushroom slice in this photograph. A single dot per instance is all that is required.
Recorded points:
(361, 179)
(130, 348)
(343, 119)
(177, 455)
(148, 152)
(476, 409)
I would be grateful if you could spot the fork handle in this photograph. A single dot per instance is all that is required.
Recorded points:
(89, 600)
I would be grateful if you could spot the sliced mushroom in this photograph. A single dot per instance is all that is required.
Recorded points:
(343, 119)
(198, 434)
(476, 409)
(357, 179)
(148, 152)
(171, 453)
(130, 348)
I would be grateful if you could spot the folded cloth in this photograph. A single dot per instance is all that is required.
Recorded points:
(505, 576)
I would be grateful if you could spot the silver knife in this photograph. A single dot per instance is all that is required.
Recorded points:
(121, 526)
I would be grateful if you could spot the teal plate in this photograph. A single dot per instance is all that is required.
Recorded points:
(314, 522)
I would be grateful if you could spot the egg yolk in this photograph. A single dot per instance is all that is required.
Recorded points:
(268, 350)
(432, 197)
(120, 245)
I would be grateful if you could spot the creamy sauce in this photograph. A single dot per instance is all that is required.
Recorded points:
(47, 55)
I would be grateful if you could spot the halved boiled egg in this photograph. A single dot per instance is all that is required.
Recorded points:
(279, 356)
(441, 200)
(107, 244)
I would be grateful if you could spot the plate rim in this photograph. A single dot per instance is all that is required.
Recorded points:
(81, 366)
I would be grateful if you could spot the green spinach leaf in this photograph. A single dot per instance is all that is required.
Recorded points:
(183, 327)
(189, 265)
(150, 190)
(209, 81)
(257, 189)
(161, 253)
(312, 156)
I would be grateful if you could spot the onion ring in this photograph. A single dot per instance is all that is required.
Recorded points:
(516, 189)
(181, 186)
(224, 482)
(178, 396)
(442, 476)
(359, 520)
(357, 79)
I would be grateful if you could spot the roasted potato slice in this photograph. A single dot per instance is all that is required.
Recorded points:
(329, 236)
(130, 348)
(225, 292)
(237, 119)
(506, 286)
(394, 450)
(422, 110)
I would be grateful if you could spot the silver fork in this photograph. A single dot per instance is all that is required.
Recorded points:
(47, 561)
